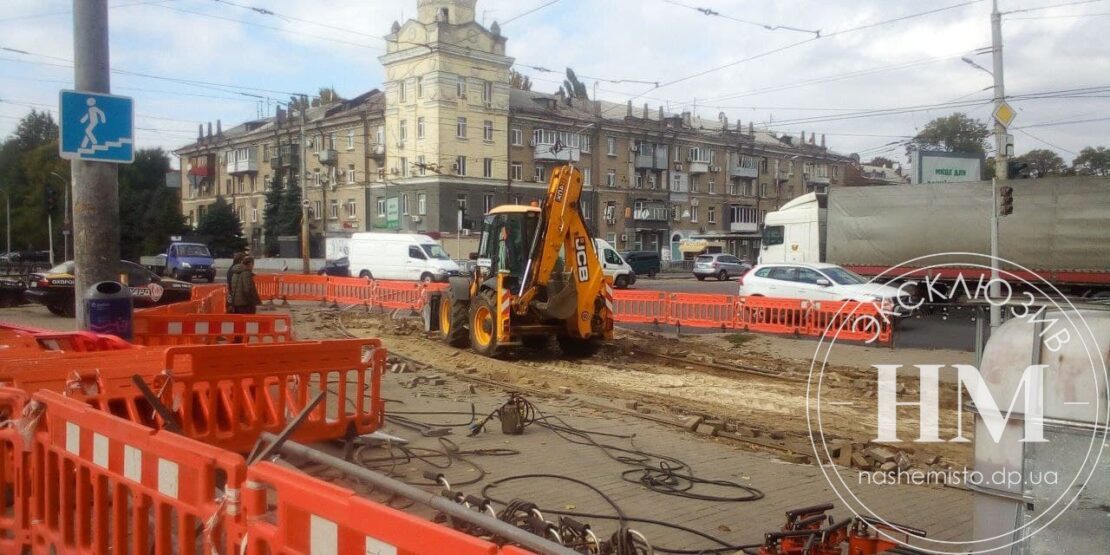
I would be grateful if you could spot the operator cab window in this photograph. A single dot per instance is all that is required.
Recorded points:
(415, 252)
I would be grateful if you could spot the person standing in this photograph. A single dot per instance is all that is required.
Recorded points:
(244, 293)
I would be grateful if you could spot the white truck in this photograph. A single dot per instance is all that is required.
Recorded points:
(1059, 229)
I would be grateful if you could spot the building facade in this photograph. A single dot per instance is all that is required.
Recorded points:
(448, 139)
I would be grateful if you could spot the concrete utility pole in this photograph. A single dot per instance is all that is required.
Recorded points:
(1000, 154)
(307, 269)
(95, 194)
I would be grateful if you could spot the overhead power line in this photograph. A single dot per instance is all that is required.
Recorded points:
(529, 12)
(1049, 7)
(767, 26)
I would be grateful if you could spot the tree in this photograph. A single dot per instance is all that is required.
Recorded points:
(289, 214)
(1092, 161)
(1042, 162)
(221, 229)
(881, 161)
(271, 213)
(954, 133)
(325, 96)
(35, 129)
(150, 212)
(573, 87)
(519, 81)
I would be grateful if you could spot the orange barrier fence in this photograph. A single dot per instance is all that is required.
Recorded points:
(14, 482)
(850, 321)
(303, 288)
(703, 311)
(211, 329)
(771, 315)
(227, 395)
(647, 307)
(100, 483)
(312, 516)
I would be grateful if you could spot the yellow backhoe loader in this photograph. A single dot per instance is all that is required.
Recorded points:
(537, 276)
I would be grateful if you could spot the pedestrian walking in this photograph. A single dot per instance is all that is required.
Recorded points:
(244, 293)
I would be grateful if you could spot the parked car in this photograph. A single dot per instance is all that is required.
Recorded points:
(613, 265)
(821, 282)
(183, 261)
(719, 265)
(399, 256)
(337, 268)
(644, 263)
(54, 288)
(11, 291)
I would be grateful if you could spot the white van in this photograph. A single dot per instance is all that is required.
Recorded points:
(399, 256)
(613, 265)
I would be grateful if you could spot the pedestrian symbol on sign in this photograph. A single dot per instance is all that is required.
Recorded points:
(97, 127)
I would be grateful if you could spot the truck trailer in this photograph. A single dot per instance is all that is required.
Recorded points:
(1059, 231)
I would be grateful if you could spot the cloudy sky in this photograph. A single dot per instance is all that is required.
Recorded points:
(875, 76)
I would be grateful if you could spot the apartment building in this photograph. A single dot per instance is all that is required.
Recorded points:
(448, 139)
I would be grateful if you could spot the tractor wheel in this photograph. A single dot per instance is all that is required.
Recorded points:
(535, 342)
(575, 347)
(483, 325)
(453, 320)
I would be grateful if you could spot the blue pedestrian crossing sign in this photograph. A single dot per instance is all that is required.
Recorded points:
(97, 127)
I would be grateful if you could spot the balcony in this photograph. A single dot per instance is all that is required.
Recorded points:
(653, 213)
(817, 179)
(697, 167)
(247, 165)
(648, 158)
(741, 171)
(328, 157)
(743, 227)
(547, 152)
(287, 157)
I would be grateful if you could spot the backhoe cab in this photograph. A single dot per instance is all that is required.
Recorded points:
(537, 276)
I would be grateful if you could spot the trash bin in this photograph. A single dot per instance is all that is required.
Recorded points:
(108, 309)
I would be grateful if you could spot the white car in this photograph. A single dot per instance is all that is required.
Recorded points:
(821, 282)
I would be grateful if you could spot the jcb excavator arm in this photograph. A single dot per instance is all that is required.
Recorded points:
(561, 227)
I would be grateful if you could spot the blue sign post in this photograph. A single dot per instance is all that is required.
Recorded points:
(97, 127)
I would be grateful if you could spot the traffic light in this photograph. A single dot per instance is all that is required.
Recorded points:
(51, 199)
(1005, 200)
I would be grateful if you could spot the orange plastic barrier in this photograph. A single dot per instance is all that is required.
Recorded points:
(398, 294)
(14, 481)
(303, 288)
(267, 286)
(850, 321)
(226, 395)
(100, 484)
(350, 290)
(201, 291)
(17, 343)
(211, 329)
(312, 516)
(649, 307)
(703, 311)
(764, 314)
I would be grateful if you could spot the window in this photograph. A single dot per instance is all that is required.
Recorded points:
(516, 136)
(331, 140)
(254, 215)
(379, 135)
(415, 252)
(266, 183)
(333, 210)
(611, 146)
(350, 209)
(487, 130)
(764, 190)
(316, 177)
(487, 167)
(460, 165)
(538, 175)
(487, 202)
(712, 187)
(711, 214)
(695, 182)
(421, 166)
(419, 87)
(516, 171)
(587, 209)
(421, 203)
(404, 167)
(611, 212)
(487, 93)
(460, 86)
(420, 127)
(404, 204)
(317, 210)
(584, 143)
(700, 154)
(402, 131)
(350, 139)
(381, 207)
(611, 178)
(402, 92)
(350, 173)
(460, 128)
(585, 177)
(694, 214)
(318, 144)
(674, 212)
(734, 188)
(763, 165)
(639, 183)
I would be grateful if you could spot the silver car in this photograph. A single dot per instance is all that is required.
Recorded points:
(719, 265)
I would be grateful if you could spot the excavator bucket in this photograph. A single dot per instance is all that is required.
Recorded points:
(562, 300)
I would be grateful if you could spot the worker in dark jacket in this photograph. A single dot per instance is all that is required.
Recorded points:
(238, 258)
(244, 294)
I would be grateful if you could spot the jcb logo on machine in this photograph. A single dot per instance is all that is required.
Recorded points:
(560, 192)
(581, 259)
